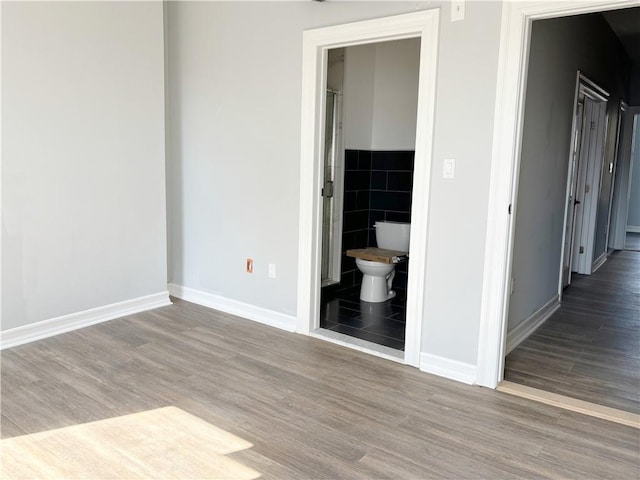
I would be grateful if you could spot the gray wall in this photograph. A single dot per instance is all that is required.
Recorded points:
(235, 89)
(83, 193)
(395, 95)
(381, 95)
(633, 216)
(359, 90)
(559, 47)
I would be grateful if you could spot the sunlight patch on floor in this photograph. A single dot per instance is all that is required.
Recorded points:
(163, 443)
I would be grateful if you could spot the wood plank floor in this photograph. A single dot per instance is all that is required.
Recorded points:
(590, 348)
(311, 409)
(632, 241)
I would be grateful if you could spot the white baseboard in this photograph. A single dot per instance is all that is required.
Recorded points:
(445, 367)
(531, 324)
(599, 262)
(633, 229)
(234, 307)
(66, 323)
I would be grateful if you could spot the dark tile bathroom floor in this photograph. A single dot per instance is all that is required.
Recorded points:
(381, 323)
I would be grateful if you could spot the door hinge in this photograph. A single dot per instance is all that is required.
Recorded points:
(593, 125)
(587, 189)
(581, 249)
(327, 191)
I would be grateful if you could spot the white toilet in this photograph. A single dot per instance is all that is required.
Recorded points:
(378, 277)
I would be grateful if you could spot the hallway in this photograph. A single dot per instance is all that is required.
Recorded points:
(590, 348)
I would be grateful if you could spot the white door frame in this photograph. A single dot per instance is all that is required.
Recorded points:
(621, 201)
(316, 43)
(513, 60)
(622, 109)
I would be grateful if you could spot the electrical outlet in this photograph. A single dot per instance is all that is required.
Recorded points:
(272, 270)
(249, 265)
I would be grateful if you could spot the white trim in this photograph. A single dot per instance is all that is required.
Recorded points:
(591, 89)
(572, 180)
(531, 324)
(576, 170)
(617, 157)
(234, 307)
(512, 71)
(622, 108)
(589, 173)
(623, 177)
(571, 404)
(424, 25)
(66, 323)
(447, 368)
(358, 344)
(633, 229)
(599, 262)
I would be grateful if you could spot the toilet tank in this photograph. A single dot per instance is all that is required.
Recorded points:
(393, 235)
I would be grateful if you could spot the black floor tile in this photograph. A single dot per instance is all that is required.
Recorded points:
(369, 336)
(389, 328)
(382, 323)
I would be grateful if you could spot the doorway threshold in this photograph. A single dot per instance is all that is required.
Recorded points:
(573, 404)
(358, 344)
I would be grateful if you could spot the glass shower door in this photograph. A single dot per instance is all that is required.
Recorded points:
(331, 216)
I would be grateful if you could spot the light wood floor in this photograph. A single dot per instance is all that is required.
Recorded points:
(165, 443)
(311, 409)
(590, 348)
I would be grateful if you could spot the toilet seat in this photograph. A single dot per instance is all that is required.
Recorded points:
(380, 255)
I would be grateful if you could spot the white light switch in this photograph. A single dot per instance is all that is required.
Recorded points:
(272, 270)
(457, 10)
(449, 168)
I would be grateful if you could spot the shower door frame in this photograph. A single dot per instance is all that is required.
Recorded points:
(316, 44)
(333, 236)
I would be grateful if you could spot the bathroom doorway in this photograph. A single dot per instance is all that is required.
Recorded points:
(422, 27)
(377, 84)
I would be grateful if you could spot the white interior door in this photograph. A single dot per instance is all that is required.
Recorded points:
(588, 183)
(572, 204)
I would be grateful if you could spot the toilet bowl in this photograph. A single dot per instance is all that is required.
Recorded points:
(377, 279)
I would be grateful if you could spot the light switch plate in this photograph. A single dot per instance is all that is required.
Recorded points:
(457, 10)
(449, 168)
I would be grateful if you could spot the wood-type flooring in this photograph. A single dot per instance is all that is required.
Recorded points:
(309, 408)
(632, 241)
(590, 348)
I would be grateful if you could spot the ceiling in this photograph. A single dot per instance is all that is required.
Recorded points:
(626, 25)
